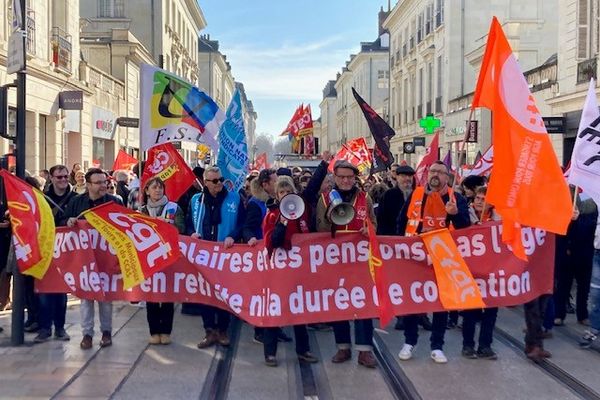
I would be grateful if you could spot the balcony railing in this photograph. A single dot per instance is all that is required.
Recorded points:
(30, 43)
(61, 50)
(586, 70)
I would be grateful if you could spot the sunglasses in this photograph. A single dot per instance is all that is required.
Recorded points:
(216, 180)
(110, 187)
(305, 179)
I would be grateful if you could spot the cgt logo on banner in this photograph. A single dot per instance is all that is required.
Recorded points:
(165, 162)
(139, 246)
(318, 279)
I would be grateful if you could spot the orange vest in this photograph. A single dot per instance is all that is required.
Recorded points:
(416, 217)
(360, 208)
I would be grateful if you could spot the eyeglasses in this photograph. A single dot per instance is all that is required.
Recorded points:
(99, 183)
(216, 180)
(110, 187)
(60, 177)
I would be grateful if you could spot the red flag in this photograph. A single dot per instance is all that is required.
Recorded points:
(165, 162)
(386, 312)
(32, 225)
(344, 154)
(144, 245)
(261, 162)
(431, 155)
(527, 186)
(124, 161)
(289, 130)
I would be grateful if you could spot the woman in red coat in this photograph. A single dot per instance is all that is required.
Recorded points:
(278, 232)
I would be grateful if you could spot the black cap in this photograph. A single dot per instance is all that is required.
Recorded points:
(405, 170)
(345, 164)
(284, 171)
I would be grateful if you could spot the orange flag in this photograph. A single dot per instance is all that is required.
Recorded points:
(527, 186)
(32, 225)
(144, 245)
(124, 161)
(386, 313)
(457, 288)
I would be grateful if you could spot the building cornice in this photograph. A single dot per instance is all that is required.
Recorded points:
(197, 14)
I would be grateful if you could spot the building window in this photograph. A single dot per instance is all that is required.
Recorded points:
(111, 8)
(584, 11)
(383, 77)
(438, 99)
(439, 13)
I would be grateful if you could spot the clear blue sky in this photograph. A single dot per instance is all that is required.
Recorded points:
(284, 52)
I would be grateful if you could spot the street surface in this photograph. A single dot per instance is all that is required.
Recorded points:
(132, 369)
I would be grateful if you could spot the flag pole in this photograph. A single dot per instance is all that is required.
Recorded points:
(575, 194)
(461, 148)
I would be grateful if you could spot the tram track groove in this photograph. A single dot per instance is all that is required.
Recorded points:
(560, 375)
(216, 382)
(398, 382)
(314, 379)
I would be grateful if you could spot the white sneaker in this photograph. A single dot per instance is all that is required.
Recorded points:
(438, 357)
(406, 353)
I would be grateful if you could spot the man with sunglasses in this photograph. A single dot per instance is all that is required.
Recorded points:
(216, 215)
(53, 306)
(95, 195)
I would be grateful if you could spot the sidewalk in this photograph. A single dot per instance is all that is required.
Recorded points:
(62, 370)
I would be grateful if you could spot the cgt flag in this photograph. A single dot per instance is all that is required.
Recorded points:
(457, 288)
(527, 186)
(382, 133)
(32, 225)
(233, 151)
(165, 162)
(144, 245)
(124, 161)
(584, 168)
(261, 162)
(173, 110)
(431, 156)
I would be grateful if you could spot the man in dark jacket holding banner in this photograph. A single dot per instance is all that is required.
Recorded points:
(95, 181)
(429, 208)
(345, 174)
(53, 306)
(215, 215)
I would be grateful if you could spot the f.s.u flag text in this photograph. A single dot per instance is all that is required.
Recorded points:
(165, 162)
(585, 161)
(233, 150)
(173, 110)
(382, 133)
(144, 245)
(457, 288)
(527, 186)
(32, 225)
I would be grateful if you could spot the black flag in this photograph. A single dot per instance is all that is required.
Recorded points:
(382, 133)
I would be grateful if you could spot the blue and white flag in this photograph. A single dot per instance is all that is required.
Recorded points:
(233, 151)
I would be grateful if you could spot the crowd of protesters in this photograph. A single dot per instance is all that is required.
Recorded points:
(391, 200)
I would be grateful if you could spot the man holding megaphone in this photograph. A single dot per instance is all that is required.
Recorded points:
(346, 208)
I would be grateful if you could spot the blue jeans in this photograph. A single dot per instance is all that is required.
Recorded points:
(363, 334)
(595, 293)
(53, 309)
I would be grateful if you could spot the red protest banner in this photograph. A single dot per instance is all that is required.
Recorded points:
(165, 162)
(319, 279)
